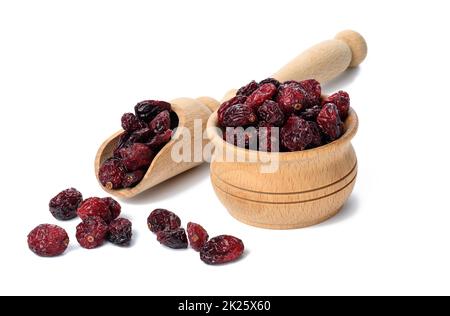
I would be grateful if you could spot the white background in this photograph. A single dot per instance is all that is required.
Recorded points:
(69, 69)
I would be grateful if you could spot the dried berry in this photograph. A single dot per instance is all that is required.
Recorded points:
(271, 80)
(64, 206)
(262, 94)
(91, 233)
(175, 239)
(342, 101)
(271, 113)
(161, 219)
(238, 115)
(296, 135)
(131, 179)
(136, 156)
(239, 137)
(160, 123)
(248, 89)
(330, 122)
(222, 249)
(48, 240)
(94, 207)
(160, 140)
(120, 232)
(316, 139)
(310, 114)
(131, 123)
(114, 207)
(174, 120)
(123, 142)
(228, 104)
(147, 110)
(197, 236)
(313, 92)
(291, 97)
(268, 138)
(111, 173)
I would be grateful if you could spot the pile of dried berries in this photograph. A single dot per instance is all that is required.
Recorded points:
(146, 132)
(306, 119)
(218, 250)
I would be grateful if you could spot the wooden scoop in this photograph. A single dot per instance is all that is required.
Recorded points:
(322, 62)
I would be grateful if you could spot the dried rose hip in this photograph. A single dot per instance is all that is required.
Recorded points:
(114, 207)
(197, 236)
(161, 219)
(111, 173)
(310, 114)
(238, 115)
(330, 122)
(271, 113)
(48, 240)
(120, 232)
(222, 249)
(91, 233)
(160, 140)
(342, 101)
(160, 123)
(296, 135)
(313, 92)
(147, 110)
(131, 179)
(248, 89)
(291, 97)
(131, 123)
(271, 80)
(136, 156)
(64, 206)
(228, 104)
(94, 207)
(175, 239)
(262, 94)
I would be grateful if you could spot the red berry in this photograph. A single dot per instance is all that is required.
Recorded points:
(296, 135)
(310, 114)
(330, 122)
(313, 92)
(262, 94)
(248, 89)
(131, 123)
(114, 207)
(242, 138)
(175, 239)
(111, 173)
(291, 97)
(316, 140)
(133, 178)
(147, 110)
(94, 207)
(48, 240)
(64, 206)
(136, 156)
(161, 219)
(271, 80)
(160, 123)
(342, 101)
(236, 100)
(120, 232)
(238, 115)
(271, 113)
(222, 249)
(197, 236)
(160, 140)
(91, 233)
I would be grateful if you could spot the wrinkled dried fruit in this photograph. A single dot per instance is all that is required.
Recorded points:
(131, 179)
(94, 207)
(330, 121)
(48, 240)
(147, 110)
(91, 233)
(111, 173)
(160, 140)
(131, 123)
(114, 207)
(160, 123)
(243, 138)
(291, 97)
(271, 113)
(268, 138)
(120, 232)
(342, 101)
(136, 156)
(238, 115)
(310, 114)
(140, 136)
(161, 219)
(175, 239)
(271, 80)
(248, 89)
(262, 94)
(296, 135)
(228, 104)
(64, 205)
(316, 139)
(197, 236)
(313, 92)
(222, 249)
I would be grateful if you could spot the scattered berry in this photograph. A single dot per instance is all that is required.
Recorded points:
(222, 249)
(161, 219)
(95, 207)
(197, 236)
(114, 207)
(64, 205)
(120, 232)
(175, 239)
(91, 233)
(48, 240)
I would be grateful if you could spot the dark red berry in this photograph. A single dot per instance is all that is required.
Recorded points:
(313, 92)
(91, 233)
(197, 236)
(310, 114)
(160, 140)
(114, 207)
(236, 100)
(271, 80)
(330, 122)
(94, 207)
(268, 138)
(342, 101)
(240, 137)
(161, 219)
(271, 113)
(123, 142)
(316, 140)
(262, 94)
(140, 136)
(296, 135)
(131, 123)
(136, 156)
(120, 232)
(111, 173)
(147, 110)
(48, 240)
(131, 179)
(160, 123)
(248, 89)
(238, 115)
(222, 249)
(291, 97)
(175, 239)
(64, 206)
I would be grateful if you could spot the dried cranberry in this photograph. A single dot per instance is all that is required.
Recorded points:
(271, 80)
(239, 137)
(238, 115)
(222, 249)
(271, 113)
(313, 92)
(161, 219)
(342, 101)
(248, 89)
(316, 140)
(64, 206)
(48, 240)
(147, 110)
(131, 179)
(262, 94)
(330, 122)
(310, 114)
(291, 97)
(268, 138)
(111, 173)
(91, 233)
(160, 123)
(131, 123)
(228, 104)
(296, 135)
(140, 136)
(175, 239)
(160, 140)
(114, 207)
(136, 156)
(197, 236)
(94, 207)
(120, 232)
(123, 142)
